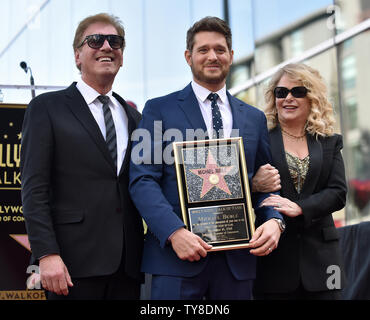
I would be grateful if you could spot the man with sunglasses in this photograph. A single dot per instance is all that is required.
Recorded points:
(82, 225)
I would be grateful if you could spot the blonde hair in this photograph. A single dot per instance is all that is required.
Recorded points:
(320, 121)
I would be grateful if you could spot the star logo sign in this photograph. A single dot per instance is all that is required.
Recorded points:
(213, 176)
(22, 239)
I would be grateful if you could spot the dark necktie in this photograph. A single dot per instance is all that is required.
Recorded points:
(216, 116)
(110, 129)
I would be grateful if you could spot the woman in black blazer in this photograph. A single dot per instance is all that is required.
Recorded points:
(308, 170)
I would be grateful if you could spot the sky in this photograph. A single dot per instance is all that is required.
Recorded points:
(154, 62)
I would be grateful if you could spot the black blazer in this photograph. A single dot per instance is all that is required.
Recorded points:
(310, 243)
(73, 202)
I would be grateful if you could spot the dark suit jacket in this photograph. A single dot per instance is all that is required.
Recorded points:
(153, 187)
(310, 243)
(73, 202)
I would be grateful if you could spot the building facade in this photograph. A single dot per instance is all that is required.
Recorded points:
(332, 36)
(335, 39)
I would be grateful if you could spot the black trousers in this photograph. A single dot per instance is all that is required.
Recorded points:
(117, 286)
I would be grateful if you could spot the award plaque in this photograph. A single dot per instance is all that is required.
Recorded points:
(214, 191)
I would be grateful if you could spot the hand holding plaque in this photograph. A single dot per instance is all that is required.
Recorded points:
(214, 191)
(189, 246)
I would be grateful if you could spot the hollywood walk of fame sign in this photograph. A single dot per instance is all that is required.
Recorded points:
(214, 191)
(14, 245)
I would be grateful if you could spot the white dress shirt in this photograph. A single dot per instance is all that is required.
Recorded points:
(205, 107)
(118, 113)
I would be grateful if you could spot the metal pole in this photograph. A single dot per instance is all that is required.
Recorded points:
(24, 27)
(227, 20)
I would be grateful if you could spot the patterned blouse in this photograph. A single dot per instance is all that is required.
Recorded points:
(298, 169)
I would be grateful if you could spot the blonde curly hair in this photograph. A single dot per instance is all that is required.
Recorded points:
(320, 121)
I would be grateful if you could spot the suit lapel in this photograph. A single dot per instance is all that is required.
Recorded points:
(80, 109)
(315, 151)
(279, 161)
(190, 106)
(278, 154)
(188, 103)
(239, 115)
(131, 125)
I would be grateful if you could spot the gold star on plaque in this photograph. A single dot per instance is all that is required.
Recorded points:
(5, 136)
(213, 176)
(19, 136)
(10, 124)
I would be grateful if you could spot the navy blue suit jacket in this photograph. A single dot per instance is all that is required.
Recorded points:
(153, 187)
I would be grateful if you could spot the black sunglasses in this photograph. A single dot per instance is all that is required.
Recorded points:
(297, 92)
(96, 41)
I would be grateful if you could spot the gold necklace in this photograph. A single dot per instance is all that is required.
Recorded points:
(292, 135)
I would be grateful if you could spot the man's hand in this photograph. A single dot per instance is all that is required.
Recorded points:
(54, 274)
(188, 246)
(267, 179)
(265, 239)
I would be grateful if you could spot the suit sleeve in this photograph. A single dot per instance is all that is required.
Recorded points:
(36, 166)
(263, 157)
(333, 196)
(146, 177)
